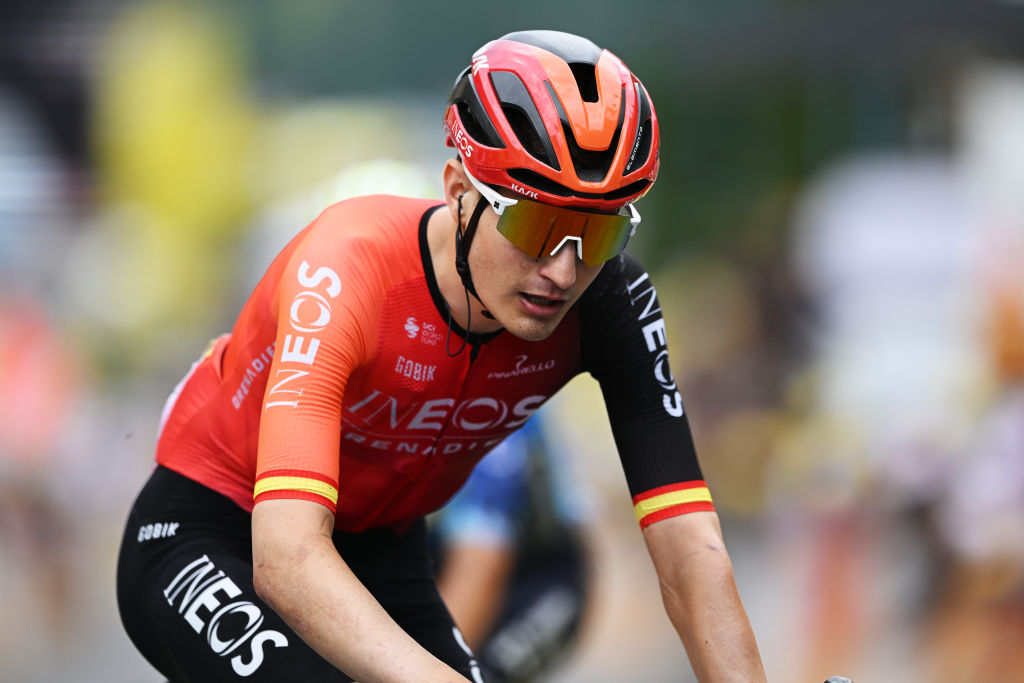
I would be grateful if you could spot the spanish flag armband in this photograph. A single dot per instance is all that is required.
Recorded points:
(300, 484)
(671, 500)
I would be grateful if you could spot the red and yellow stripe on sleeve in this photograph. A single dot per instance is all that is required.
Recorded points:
(671, 500)
(297, 484)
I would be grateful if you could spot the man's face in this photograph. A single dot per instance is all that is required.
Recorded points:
(528, 296)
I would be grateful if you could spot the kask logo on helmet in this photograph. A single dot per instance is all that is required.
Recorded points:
(524, 191)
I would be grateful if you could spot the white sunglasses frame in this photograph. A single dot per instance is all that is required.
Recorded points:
(499, 203)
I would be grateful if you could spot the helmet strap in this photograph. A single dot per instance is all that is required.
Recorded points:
(463, 240)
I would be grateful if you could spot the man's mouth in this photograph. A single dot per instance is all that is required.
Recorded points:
(541, 306)
(540, 300)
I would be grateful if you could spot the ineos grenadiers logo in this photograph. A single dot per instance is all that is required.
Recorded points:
(383, 422)
(460, 140)
(310, 313)
(195, 589)
(471, 414)
(654, 338)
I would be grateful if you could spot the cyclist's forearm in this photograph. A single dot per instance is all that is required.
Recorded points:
(701, 599)
(714, 626)
(307, 583)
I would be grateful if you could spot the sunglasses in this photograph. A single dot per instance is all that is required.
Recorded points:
(541, 229)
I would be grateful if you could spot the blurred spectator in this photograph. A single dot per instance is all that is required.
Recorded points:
(172, 129)
(39, 380)
(513, 565)
(884, 247)
(46, 51)
(977, 623)
(41, 372)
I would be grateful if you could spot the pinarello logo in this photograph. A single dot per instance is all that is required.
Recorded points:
(522, 368)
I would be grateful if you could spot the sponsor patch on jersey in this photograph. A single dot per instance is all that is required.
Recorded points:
(522, 367)
(414, 370)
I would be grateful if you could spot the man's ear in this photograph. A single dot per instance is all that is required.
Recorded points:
(455, 184)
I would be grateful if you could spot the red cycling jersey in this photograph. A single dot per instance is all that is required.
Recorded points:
(336, 384)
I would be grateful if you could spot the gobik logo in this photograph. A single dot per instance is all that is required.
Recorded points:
(200, 587)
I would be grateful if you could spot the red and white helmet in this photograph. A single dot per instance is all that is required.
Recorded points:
(553, 117)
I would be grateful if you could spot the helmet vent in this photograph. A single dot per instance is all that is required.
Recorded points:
(590, 165)
(635, 188)
(523, 117)
(586, 80)
(537, 181)
(472, 112)
(527, 135)
(475, 128)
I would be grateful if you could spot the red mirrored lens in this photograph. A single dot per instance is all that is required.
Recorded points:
(540, 229)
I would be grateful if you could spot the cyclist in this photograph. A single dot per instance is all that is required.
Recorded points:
(388, 347)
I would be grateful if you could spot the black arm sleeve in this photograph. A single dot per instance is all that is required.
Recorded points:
(623, 346)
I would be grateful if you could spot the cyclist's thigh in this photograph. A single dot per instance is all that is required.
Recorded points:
(186, 595)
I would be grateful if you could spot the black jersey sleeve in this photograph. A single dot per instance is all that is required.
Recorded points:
(624, 347)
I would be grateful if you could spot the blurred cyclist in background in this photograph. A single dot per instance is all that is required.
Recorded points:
(392, 344)
(512, 561)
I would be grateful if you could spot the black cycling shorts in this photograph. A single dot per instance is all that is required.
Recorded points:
(186, 597)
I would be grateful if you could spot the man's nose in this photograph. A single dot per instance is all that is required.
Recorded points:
(560, 267)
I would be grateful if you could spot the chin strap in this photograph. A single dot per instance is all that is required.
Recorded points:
(463, 240)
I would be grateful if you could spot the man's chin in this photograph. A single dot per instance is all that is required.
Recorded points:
(531, 329)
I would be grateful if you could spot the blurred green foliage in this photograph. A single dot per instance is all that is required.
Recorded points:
(752, 96)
